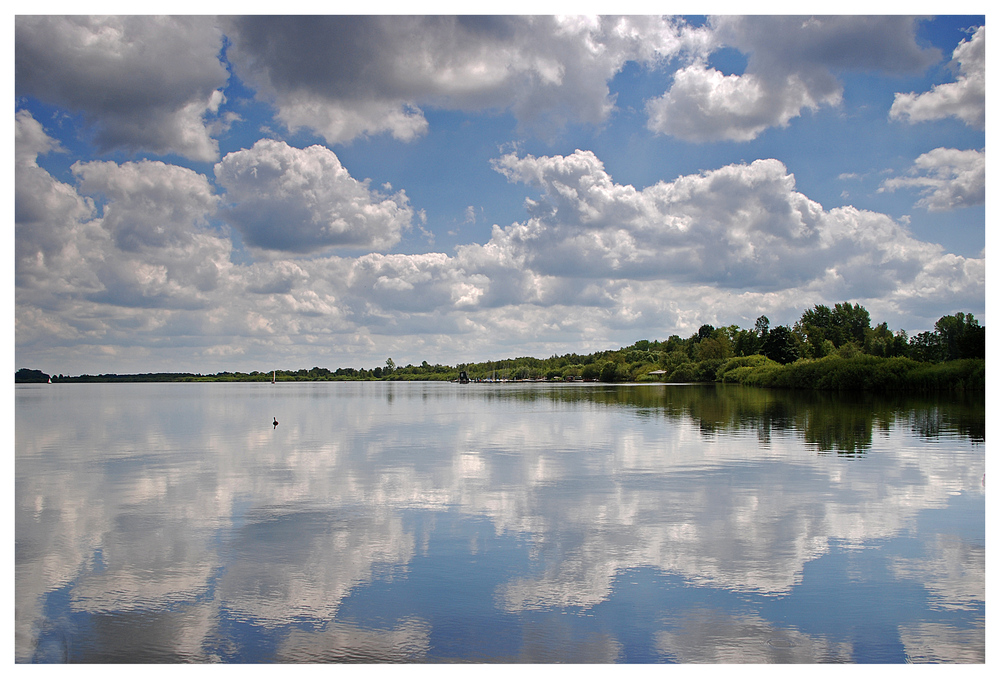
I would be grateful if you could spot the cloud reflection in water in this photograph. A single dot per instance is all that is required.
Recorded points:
(173, 512)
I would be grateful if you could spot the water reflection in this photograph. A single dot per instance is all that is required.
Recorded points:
(832, 421)
(401, 522)
(712, 636)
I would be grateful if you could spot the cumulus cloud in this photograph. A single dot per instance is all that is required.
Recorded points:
(739, 227)
(164, 255)
(130, 257)
(50, 220)
(948, 179)
(705, 105)
(31, 140)
(414, 283)
(965, 98)
(270, 278)
(132, 236)
(361, 75)
(141, 83)
(301, 201)
(150, 204)
(596, 257)
(791, 63)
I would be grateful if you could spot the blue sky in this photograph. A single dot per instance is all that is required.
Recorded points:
(247, 193)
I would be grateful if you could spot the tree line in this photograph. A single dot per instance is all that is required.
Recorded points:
(827, 347)
(832, 348)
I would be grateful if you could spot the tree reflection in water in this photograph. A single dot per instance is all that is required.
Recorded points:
(833, 422)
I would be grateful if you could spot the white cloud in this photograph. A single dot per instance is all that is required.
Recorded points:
(150, 204)
(791, 63)
(414, 283)
(51, 221)
(162, 253)
(38, 196)
(31, 140)
(948, 179)
(271, 278)
(705, 105)
(141, 83)
(116, 271)
(361, 75)
(965, 98)
(130, 260)
(739, 227)
(286, 199)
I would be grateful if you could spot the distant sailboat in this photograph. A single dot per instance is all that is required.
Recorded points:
(275, 422)
(273, 373)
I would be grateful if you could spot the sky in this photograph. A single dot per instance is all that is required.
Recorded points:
(201, 193)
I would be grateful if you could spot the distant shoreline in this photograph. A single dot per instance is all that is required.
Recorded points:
(832, 349)
(856, 373)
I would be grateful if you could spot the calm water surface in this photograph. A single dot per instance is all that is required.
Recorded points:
(424, 522)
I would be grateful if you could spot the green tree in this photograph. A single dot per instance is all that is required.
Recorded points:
(761, 326)
(925, 346)
(27, 375)
(817, 324)
(610, 372)
(844, 323)
(961, 336)
(780, 346)
(880, 341)
(853, 321)
(714, 347)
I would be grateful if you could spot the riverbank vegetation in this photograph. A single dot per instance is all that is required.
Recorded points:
(827, 348)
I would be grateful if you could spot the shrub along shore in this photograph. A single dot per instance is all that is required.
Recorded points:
(831, 349)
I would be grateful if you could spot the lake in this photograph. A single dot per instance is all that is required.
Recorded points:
(505, 523)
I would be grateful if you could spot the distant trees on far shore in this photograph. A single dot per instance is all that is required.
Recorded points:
(24, 375)
(827, 348)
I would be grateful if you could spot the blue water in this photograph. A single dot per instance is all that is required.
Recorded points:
(424, 522)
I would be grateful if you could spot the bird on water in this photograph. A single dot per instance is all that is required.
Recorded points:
(275, 422)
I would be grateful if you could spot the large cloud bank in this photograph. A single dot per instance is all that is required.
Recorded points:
(374, 74)
(156, 83)
(135, 254)
(277, 251)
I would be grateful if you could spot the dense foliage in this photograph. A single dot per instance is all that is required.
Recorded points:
(27, 376)
(827, 348)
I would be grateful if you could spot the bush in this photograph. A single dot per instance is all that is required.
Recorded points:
(742, 365)
(611, 372)
(860, 372)
(968, 373)
(685, 372)
(708, 368)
